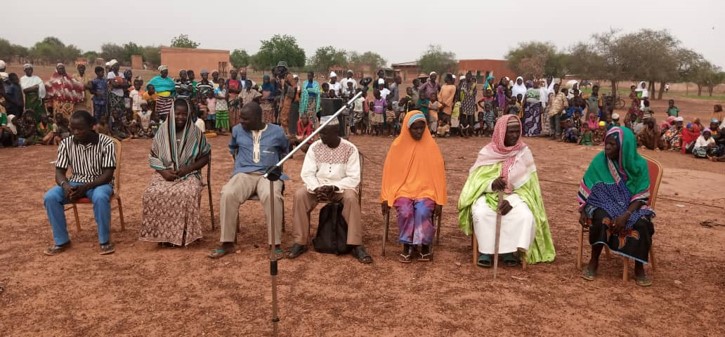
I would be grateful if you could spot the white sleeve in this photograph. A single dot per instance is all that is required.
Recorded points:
(308, 173)
(352, 173)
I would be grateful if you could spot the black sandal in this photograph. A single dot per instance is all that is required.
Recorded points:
(107, 248)
(57, 249)
(425, 254)
(509, 260)
(407, 255)
(361, 255)
(484, 261)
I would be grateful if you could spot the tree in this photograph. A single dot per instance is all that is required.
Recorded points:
(152, 55)
(279, 48)
(601, 58)
(328, 57)
(183, 41)
(130, 49)
(90, 56)
(110, 51)
(650, 55)
(52, 50)
(239, 58)
(534, 60)
(367, 59)
(7, 51)
(435, 59)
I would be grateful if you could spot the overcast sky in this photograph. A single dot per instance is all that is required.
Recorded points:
(399, 30)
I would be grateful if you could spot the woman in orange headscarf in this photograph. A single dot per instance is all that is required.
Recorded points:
(414, 182)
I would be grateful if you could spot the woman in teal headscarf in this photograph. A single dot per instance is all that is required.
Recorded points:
(613, 199)
(506, 165)
(310, 97)
(165, 89)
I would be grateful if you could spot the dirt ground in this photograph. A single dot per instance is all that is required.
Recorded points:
(143, 290)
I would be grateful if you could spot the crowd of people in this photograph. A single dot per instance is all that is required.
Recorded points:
(265, 121)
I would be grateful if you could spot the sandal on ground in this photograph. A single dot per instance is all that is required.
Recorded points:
(425, 254)
(588, 274)
(407, 255)
(361, 255)
(278, 253)
(219, 252)
(643, 281)
(509, 260)
(107, 248)
(57, 249)
(297, 250)
(484, 261)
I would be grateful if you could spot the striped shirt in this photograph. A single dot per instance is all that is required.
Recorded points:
(86, 161)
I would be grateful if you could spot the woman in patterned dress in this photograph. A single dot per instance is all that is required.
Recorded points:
(171, 201)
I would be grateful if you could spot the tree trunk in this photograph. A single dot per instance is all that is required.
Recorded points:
(651, 90)
(662, 90)
(614, 89)
(710, 89)
(699, 90)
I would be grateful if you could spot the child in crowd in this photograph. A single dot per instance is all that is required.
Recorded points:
(348, 92)
(136, 95)
(443, 129)
(479, 125)
(210, 109)
(48, 131)
(150, 96)
(144, 121)
(672, 110)
(455, 119)
(7, 129)
(359, 110)
(221, 109)
(489, 119)
(391, 121)
(99, 89)
(304, 129)
(646, 111)
(513, 108)
(598, 135)
(423, 104)
(570, 133)
(377, 112)
(433, 108)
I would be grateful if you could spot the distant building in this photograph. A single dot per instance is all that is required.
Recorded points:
(195, 59)
(410, 70)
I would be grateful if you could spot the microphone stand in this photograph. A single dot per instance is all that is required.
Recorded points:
(273, 174)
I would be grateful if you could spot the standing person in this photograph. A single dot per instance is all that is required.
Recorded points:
(377, 112)
(642, 92)
(13, 95)
(532, 121)
(447, 97)
(116, 104)
(595, 102)
(295, 108)
(414, 182)
(506, 165)
(165, 89)
(430, 86)
(335, 85)
(136, 95)
(215, 80)
(519, 87)
(672, 110)
(558, 104)
(467, 96)
(289, 93)
(256, 146)
(415, 96)
(613, 197)
(269, 93)
(64, 91)
(85, 102)
(310, 97)
(349, 79)
(331, 173)
(34, 90)
(171, 212)
(205, 86)
(718, 114)
(501, 98)
(99, 89)
(649, 136)
(222, 108)
(92, 157)
(234, 89)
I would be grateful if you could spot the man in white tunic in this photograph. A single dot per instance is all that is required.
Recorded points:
(331, 173)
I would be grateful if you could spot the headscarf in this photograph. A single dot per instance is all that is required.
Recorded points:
(167, 154)
(631, 168)
(27, 82)
(414, 169)
(517, 161)
(518, 88)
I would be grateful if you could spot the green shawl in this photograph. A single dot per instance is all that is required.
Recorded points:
(542, 249)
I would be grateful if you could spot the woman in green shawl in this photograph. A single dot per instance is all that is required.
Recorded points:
(613, 199)
(506, 165)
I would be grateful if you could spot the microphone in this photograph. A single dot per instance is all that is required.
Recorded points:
(366, 81)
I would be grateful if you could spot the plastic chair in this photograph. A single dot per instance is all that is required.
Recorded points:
(655, 178)
(116, 191)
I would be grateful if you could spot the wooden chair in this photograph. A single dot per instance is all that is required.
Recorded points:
(208, 188)
(474, 244)
(655, 177)
(435, 218)
(116, 191)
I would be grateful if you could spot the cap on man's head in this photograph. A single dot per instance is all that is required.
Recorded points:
(332, 74)
(163, 67)
(27, 66)
(615, 116)
(204, 71)
(333, 121)
(432, 73)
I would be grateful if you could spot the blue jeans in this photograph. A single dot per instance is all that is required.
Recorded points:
(100, 197)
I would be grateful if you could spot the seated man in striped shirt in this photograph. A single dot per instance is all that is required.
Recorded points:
(331, 173)
(92, 157)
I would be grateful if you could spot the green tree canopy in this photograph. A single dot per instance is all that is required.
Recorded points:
(328, 57)
(435, 59)
(368, 58)
(52, 50)
(239, 58)
(183, 41)
(279, 48)
(534, 60)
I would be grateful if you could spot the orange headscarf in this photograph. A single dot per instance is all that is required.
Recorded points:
(414, 169)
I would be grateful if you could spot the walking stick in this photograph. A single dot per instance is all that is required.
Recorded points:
(498, 233)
